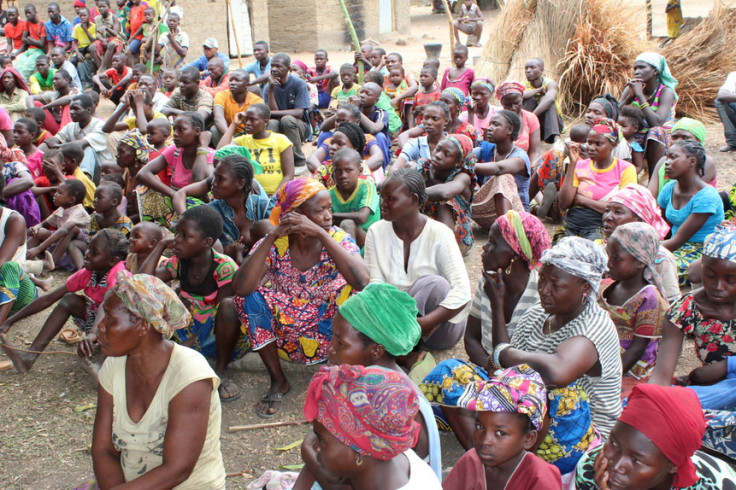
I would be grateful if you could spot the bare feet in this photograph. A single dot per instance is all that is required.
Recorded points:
(22, 361)
(44, 284)
(48, 262)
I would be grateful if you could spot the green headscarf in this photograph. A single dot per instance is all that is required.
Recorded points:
(658, 62)
(692, 126)
(241, 151)
(387, 315)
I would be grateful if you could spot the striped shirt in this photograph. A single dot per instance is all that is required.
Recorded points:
(481, 308)
(595, 325)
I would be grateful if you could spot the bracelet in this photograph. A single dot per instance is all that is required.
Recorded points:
(202, 151)
(497, 354)
(644, 106)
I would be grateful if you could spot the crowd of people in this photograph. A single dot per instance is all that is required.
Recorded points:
(196, 227)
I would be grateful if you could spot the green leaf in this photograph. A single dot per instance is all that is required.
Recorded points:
(289, 446)
(292, 467)
(84, 408)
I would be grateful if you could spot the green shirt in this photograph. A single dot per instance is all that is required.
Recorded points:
(364, 196)
(394, 121)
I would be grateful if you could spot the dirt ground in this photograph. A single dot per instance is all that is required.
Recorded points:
(46, 416)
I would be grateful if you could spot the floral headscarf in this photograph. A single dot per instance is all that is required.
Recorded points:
(640, 201)
(525, 234)
(581, 258)
(509, 87)
(641, 241)
(608, 128)
(369, 409)
(292, 195)
(138, 142)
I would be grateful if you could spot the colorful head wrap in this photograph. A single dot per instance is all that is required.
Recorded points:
(301, 65)
(609, 104)
(692, 126)
(721, 244)
(660, 63)
(387, 315)
(241, 151)
(149, 298)
(464, 144)
(484, 82)
(369, 409)
(608, 128)
(458, 94)
(509, 87)
(518, 389)
(525, 234)
(138, 142)
(580, 257)
(19, 81)
(79, 3)
(679, 429)
(642, 242)
(292, 195)
(640, 201)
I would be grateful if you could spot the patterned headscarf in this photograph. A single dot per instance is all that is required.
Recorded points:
(387, 315)
(679, 428)
(641, 241)
(518, 389)
(660, 63)
(509, 87)
(149, 298)
(640, 201)
(241, 151)
(721, 244)
(609, 104)
(581, 258)
(525, 234)
(138, 142)
(692, 126)
(464, 144)
(292, 195)
(369, 409)
(608, 128)
(459, 95)
(484, 82)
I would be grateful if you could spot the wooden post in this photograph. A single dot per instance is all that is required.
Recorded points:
(354, 37)
(235, 33)
(649, 18)
(154, 33)
(452, 27)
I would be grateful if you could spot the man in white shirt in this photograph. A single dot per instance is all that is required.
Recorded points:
(58, 58)
(726, 105)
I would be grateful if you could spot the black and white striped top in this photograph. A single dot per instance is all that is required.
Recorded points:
(595, 325)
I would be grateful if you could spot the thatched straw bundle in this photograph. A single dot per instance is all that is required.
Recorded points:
(701, 59)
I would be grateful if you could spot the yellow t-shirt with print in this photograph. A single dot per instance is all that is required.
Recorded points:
(267, 152)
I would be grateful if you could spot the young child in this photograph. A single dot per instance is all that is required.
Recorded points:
(633, 297)
(428, 92)
(169, 81)
(459, 76)
(323, 76)
(5, 61)
(83, 37)
(69, 222)
(450, 180)
(631, 122)
(24, 132)
(107, 213)
(383, 102)
(172, 46)
(364, 57)
(122, 12)
(469, 21)
(44, 187)
(113, 82)
(138, 17)
(109, 34)
(73, 156)
(102, 262)
(509, 414)
(378, 60)
(355, 202)
(39, 116)
(143, 240)
(273, 151)
(42, 80)
(158, 134)
(348, 88)
(204, 275)
(396, 85)
(114, 174)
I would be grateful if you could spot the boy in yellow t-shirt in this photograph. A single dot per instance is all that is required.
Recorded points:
(83, 35)
(272, 150)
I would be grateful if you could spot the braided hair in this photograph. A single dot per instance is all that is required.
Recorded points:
(693, 149)
(514, 120)
(413, 181)
(354, 133)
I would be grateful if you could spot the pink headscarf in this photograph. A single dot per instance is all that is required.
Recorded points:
(301, 65)
(292, 195)
(640, 201)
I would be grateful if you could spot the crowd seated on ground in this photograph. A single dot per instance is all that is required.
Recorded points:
(193, 226)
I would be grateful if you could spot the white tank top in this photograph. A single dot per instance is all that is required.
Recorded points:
(5, 214)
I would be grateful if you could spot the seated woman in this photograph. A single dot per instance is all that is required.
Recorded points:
(309, 267)
(456, 101)
(515, 399)
(14, 93)
(606, 107)
(188, 160)
(653, 91)
(155, 397)
(372, 328)
(706, 315)
(640, 454)
(503, 171)
(511, 96)
(450, 181)
(420, 256)
(684, 129)
(692, 207)
(590, 183)
(632, 204)
(347, 135)
(436, 117)
(479, 114)
(375, 451)
(632, 296)
(133, 153)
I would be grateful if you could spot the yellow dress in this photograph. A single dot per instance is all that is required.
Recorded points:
(674, 19)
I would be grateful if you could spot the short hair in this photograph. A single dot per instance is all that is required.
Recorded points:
(461, 47)
(538, 61)
(514, 120)
(13, 8)
(161, 122)
(262, 110)
(285, 58)
(43, 57)
(347, 154)
(413, 181)
(72, 151)
(104, 1)
(261, 43)
(242, 169)
(55, 155)
(52, 5)
(113, 178)
(399, 68)
(398, 55)
(29, 124)
(140, 67)
(190, 72)
(207, 220)
(633, 113)
(695, 150)
(149, 226)
(38, 114)
(353, 109)
(432, 62)
(174, 14)
(375, 77)
(195, 118)
(172, 70)
(442, 106)
(354, 133)
(379, 50)
(347, 67)
(151, 9)
(322, 51)
(117, 243)
(76, 189)
(240, 72)
(579, 132)
(115, 188)
(431, 69)
(64, 74)
(84, 100)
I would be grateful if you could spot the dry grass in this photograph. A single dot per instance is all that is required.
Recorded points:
(701, 59)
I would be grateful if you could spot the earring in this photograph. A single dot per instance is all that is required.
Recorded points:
(585, 298)
(358, 460)
(508, 269)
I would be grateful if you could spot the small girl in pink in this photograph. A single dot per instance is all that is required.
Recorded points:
(458, 76)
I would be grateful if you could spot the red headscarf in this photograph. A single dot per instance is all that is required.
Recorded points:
(679, 428)
(19, 82)
(509, 87)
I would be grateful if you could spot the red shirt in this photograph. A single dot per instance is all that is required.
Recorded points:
(115, 77)
(15, 33)
(137, 17)
(36, 31)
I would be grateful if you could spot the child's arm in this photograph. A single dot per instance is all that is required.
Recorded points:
(448, 190)
(147, 176)
(75, 49)
(89, 36)
(28, 41)
(360, 216)
(179, 201)
(375, 158)
(139, 98)
(568, 190)
(124, 82)
(315, 159)
(180, 50)
(512, 166)
(97, 78)
(370, 126)
(36, 306)
(149, 265)
(632, 355)
(65, 229)
(139, 31)
(330, 75)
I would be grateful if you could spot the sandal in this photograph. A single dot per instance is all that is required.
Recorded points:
(70, 335)
(271, 399)
(228, 390)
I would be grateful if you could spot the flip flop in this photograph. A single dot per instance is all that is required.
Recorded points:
(270, 399)
(70, 335)
(228, 386)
